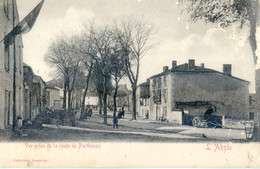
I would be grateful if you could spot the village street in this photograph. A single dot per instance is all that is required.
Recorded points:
(141, 130)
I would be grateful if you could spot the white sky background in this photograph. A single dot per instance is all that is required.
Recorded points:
(176, 40)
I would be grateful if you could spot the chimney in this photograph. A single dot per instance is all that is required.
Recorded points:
(227, 69)
(165, 68)
(202, 65)
(191, 64)
(174, 63)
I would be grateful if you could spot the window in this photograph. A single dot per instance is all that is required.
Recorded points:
(251, 115)
(154, 83)
(251, 101)
(7, 107)
(164, 112)
(159, 82)
(164, 79)
(7, 57)
(157, 96)
(165, 95)
(141, 102)
(6, 9)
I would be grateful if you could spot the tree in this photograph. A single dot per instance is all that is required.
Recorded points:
(102, 40)
(118, 67)
(67, 63)
(71, 83)
(87, 53)
(228, 13)
(134, 38)
(96, 86)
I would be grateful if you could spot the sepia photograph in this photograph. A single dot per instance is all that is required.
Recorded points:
(129, 83)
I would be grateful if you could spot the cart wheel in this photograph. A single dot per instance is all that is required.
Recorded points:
(204, 124)
(196, 122)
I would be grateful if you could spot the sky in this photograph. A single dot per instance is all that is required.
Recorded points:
(175, 38)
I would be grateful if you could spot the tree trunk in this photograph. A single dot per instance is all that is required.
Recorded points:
(254, 19)
(105, 107)
(69, 100)
(83, 100)
(256, 134)
(105, 99)
(100, 102)
(134, 103)
(64, 94)
(115, 95)
(252, 38)
(72, 87)
(86, 90)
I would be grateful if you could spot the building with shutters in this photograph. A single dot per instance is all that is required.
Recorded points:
(188, 88)
(143, 99)
(34, 94)
(8, 18)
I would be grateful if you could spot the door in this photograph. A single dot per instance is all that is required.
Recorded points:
(7, 108)
(157, 112)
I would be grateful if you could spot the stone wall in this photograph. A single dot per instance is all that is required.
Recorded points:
(6, 74)
(230, 94)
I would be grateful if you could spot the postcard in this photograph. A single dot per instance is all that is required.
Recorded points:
(129, 83)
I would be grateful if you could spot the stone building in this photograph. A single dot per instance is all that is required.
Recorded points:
(34, 94)
(9, 18)
(53, 97)
(143, 99)
(91, 100)
(189, 88)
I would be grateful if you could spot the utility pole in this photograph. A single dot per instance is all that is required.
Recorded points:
(14, 73)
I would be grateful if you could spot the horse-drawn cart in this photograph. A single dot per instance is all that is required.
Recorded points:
(207, 121)
(205, 118)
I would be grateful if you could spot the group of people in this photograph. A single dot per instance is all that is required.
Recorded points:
(87, 113)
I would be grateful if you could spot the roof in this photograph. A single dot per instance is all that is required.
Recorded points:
(147, 83)
(144, 89)
(25, 65)
(184, 68)
(52, 87)
(55, 83)
(37, 79)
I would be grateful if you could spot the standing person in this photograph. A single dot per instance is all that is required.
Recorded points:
(72, 117)
(61, 114)
(89, 112)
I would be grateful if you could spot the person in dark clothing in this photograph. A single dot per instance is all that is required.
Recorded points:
(209, 111)
(211, 119)
(72, 117)
(115, 122)
(147, 115)
(123, 112)
(61, 114)
(89, 112)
